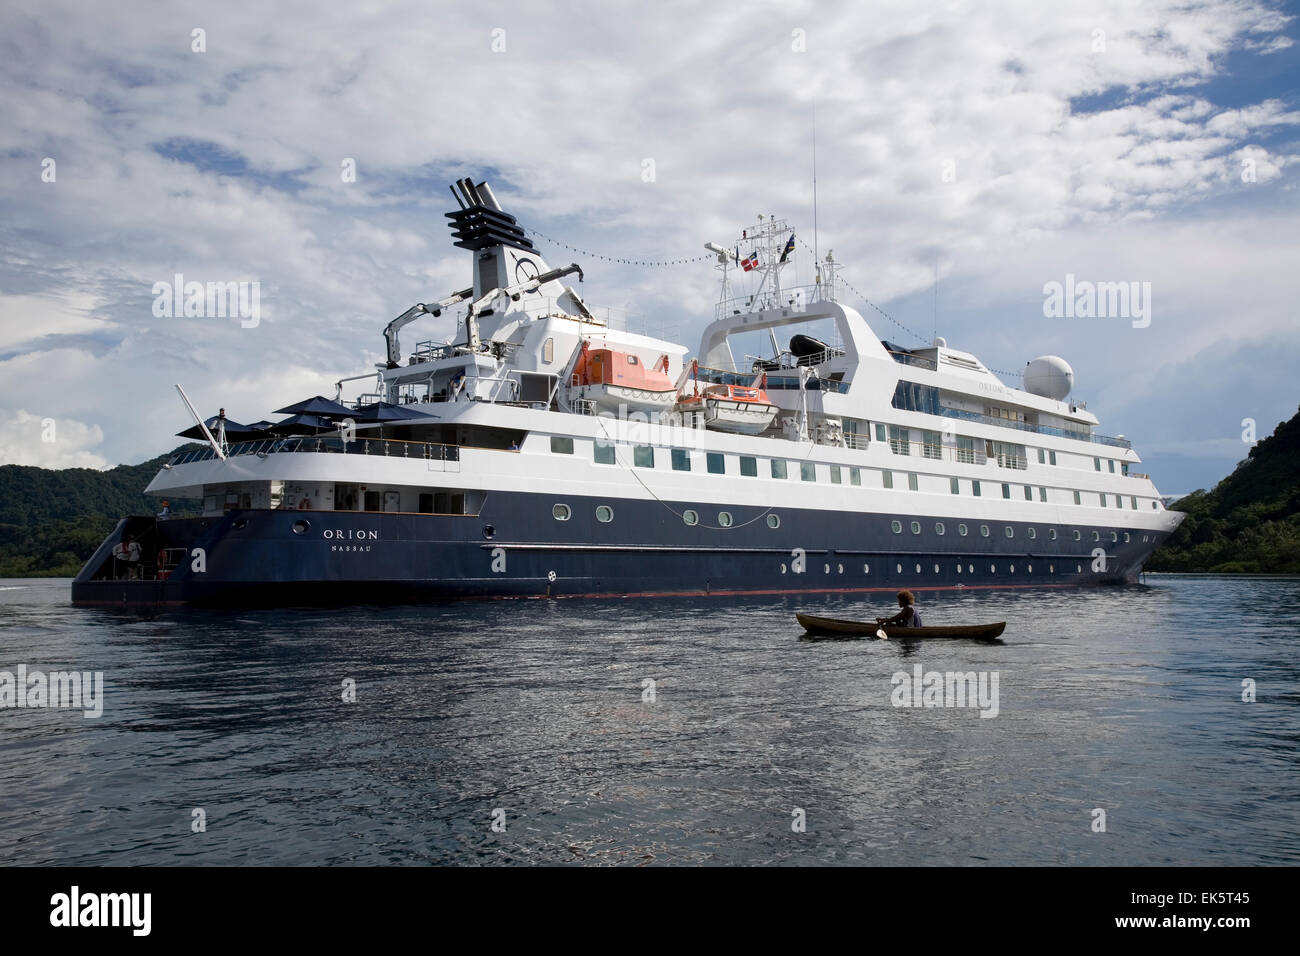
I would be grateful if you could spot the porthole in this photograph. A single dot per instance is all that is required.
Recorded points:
(1114, 537)
(1051, 533)
(936, 569)
(560, 512)
(1078, 568)
(970, 569)
(984, 531)
(993, 569)
(783, 569)
(916, 527)
(724, 519)
(489, 532)
(938, 528)
(604, 514)
(1051, 569)
(239, 525)
(1096, 536)
(1032, 532)
(1012, 569)
(896, 527)
(866, 569)
(301, 526)
(691, 518)
(839, 569)
(1077, 536)
(1029, 569)
(1011, 532)
(1126, 537)
(959, 569)
(961, 530)
(774, 521)
(826, 569)
(898, 568)
(918, 569)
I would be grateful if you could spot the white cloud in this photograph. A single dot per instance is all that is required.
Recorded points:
(27, 439)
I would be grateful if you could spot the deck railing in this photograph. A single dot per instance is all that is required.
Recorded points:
(1039, 429)
(389, 447)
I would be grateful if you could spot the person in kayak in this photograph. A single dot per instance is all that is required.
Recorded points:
(908, 616)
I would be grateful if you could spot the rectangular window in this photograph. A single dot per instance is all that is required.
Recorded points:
(975, 488)
(855, 476)
(954, 486)
(1096, 463)
(1042, 494)
(911, 482)
(681, 459)
(1029, 493)
(778, 468)
(1124, 468)
(1103, 499)
(717, 463)
(1134, 502)
(1111, 462)
(1006, 490)
(1076, 499)
(748, 466)
(887, 479)
(1051, 457)
(643, 456)
(561, 445)
(836, 478)
(880, 432)
(1010, 455)
(899, 440)
(808, 471)
(965, 450)
(604, 453)
(548, 351)
(931, 445)
(1042, 457)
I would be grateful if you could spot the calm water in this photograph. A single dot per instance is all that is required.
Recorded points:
(1126, 699)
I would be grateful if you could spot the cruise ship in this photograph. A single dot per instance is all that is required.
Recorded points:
(545, 451)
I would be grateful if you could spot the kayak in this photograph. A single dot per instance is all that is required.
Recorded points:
(831, 625)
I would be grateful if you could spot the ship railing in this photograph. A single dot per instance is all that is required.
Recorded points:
(818, 358)
(859, 442)
(311, 444)
(1038, 429)
(715, 376)
(795, 298)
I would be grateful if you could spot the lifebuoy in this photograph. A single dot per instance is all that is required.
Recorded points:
(304, 505)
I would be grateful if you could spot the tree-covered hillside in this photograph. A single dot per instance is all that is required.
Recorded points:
(1250, 522)
(51, 521)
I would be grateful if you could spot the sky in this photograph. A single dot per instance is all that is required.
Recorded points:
(998, 146)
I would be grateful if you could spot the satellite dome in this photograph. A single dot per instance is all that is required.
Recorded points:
(1049, 376)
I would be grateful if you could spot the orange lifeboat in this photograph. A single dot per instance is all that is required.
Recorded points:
(744, 409)
(620, 381)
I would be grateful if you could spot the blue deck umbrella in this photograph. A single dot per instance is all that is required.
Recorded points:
(316, 405)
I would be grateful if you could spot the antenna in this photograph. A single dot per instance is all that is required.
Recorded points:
(936, 296)
(816, 254)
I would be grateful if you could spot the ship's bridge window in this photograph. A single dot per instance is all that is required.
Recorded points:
(808, 471)
(779, 469)
(914, 397)
(681, 459)
(748, 466)
(643, 456)
(561, 445)
(604, 452)
(717, 463)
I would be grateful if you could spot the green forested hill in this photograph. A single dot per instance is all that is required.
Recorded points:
(51, 521)
(1250, 522)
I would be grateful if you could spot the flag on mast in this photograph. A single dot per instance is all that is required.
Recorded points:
(789, 247)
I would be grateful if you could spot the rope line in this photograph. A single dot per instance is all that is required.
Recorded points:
(621, 259)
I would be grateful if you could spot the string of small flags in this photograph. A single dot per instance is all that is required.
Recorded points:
(620, 259)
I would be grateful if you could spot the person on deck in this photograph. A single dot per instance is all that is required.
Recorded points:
(166, 512)
(908, 616)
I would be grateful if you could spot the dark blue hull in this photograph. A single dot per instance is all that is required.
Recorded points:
(515, 548)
